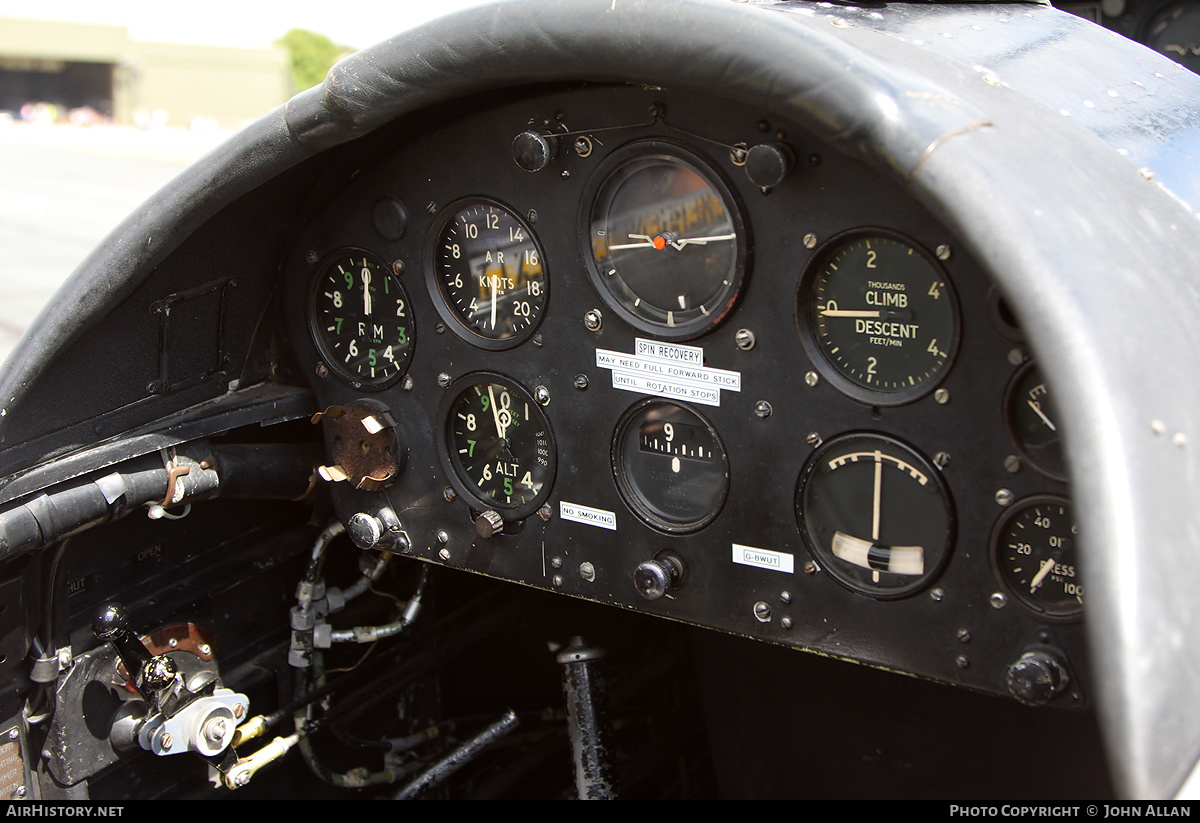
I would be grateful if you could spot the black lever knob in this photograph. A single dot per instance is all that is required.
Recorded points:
(655, 577)
(150, 674)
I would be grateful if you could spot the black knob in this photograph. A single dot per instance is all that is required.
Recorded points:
(768, 163)
(532, 151)
(654, 578)
(1036, 678)
(366, 530)
(111, 618)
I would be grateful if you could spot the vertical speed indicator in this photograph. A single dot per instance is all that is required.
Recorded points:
(880, 315)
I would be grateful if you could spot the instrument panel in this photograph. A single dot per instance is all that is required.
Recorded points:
(675, 355)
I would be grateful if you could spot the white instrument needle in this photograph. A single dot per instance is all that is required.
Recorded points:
(495, 411)
(1047, 567)
(492, 280)
(1037, 407)
(366, 275)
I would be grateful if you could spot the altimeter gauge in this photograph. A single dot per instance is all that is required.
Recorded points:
(880, 315)
(360, 319)
(875, 514)
(498, 446)
(486, 264)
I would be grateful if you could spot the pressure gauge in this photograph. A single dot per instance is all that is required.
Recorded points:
(1031, 416)
(880, 317)
(360, 319)
(485, 263)
(497, 444)
(875, 514)
(1034, 556)
(664, 240)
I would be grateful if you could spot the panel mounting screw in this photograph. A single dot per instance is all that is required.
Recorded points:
(810, 241)
(407, 385)
(941, 459)
(581, 381)
(583, 146)
(310, 256)
(762, 612)
(431, 207)
(964, 636)
(593, 320)
(442, 537)
(321, 370)
(762, 409)
(444, 554)
(1016, 357)
(556, 562)
(449, 495)
(443, 380)
(545, 512)
(785, 597)
(744, 339)
(962, 661)
(537, 340)
(738, 153)
(557, 581)
(542, 395)
(1012, 464)
(937, 594)
(813, 439)
(587, 571)
(942, 252)
(531, 215)
(810, 567)
(1004, 497)
(397, 267)
(942, 396)
(785, 622)
(811, 378)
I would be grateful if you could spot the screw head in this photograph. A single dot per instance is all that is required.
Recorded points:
(744, 339)
(397, 267)
(937, 594)
(583, 146)
(998, 600)
(587, 571)
(593, 320)
(810, 567)
(1012, 464)
(964, 636)
(942, 252)
(545, 512)
(581, 381)
(542, 395)
(1004, 497)
(738, 154)
(762, 612)
(557, 581)
(785, 622)
(942, 396)
(762, 409)
(443, 380)
(444, 554)
(538, 341)
(407, 384)
(556, 562)
(811, 378)
(962, 661)
(941, 459)
(166, 741)
(431, 207)
(531, 215)
(449, 495)
(813, 439)
(442, 537)
(310, 256)
(810, 241)
(785, 597)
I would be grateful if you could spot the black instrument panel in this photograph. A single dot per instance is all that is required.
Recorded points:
(665, 305)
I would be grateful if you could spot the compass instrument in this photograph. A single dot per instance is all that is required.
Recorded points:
(670, 466)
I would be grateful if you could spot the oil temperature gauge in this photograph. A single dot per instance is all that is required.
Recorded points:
(875, 514)
(1033, 555)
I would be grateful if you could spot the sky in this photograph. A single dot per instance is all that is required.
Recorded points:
(242, 23)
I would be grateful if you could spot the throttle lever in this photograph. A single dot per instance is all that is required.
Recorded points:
(151, 673)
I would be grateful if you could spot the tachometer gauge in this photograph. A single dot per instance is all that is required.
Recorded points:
(670, 466)
(875, 514)
(1033, 555)
(881, 315)
(486, 264)
(1032, 421)
(665, 241)
(498, 445)
(360, 319)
